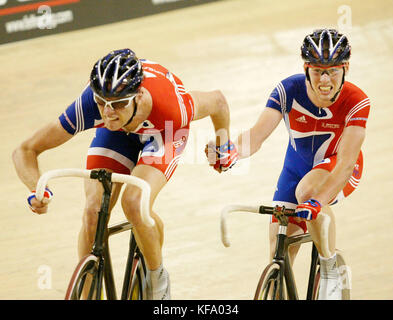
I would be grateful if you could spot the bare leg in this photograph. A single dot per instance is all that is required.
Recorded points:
(93, 193)
(323, 233)
(149, 239)
(322, 230)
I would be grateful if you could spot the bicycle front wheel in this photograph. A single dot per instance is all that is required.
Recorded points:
(83, 283)
(345, 279)
(270, 286)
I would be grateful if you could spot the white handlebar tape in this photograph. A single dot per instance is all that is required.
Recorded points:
(224, 215)
(84, 173)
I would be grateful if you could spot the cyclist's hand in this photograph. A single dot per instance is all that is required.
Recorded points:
(308, 210)
(39, 207)
(221, 158)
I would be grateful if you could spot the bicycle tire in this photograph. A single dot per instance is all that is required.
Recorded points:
(138, 281)
(346, 287)
(270, 284)
(317, 280)
(88, 265)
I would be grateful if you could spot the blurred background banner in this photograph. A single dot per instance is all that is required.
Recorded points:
(27, 19)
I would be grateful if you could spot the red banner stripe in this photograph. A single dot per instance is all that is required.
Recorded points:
(34, 6)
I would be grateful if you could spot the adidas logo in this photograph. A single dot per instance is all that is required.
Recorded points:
(301, 119)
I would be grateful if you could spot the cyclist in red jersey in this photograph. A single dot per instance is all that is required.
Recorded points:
(141, 113)
(326, 118)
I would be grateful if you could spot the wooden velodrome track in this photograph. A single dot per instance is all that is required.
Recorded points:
(243, 48)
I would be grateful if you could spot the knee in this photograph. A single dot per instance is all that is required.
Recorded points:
(90, 218)
(130, 203)
(304, 192)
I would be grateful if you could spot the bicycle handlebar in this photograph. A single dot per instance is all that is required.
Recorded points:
(224, 214)
(116, 177)
(248, 209)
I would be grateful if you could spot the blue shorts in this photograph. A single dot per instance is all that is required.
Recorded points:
(120, 152)
(295, 168)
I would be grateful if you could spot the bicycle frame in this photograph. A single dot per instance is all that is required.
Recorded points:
(100, 247)
(281, 256)
(101, 244)
(110, 287)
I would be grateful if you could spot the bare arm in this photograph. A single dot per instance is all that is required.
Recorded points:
(347, 155)
(251, 140)
(25, 155)
(213, 104)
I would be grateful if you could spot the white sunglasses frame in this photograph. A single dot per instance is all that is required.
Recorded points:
(109, 103)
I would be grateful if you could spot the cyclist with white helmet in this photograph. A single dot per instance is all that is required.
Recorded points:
(142, 113)
(326, 119)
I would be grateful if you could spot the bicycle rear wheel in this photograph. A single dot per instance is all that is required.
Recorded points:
(345, 276)
(270, 285)
(84, 280)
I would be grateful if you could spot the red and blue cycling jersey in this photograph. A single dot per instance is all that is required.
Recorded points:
(171, 103)
(158, 141)
(315, 133)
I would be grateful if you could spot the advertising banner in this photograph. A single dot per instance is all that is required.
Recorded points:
(27, 19)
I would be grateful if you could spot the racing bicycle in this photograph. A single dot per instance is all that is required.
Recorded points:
(277, 280)
(93, 277)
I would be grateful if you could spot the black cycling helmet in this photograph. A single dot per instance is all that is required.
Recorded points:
(326, 47)
(120, 67)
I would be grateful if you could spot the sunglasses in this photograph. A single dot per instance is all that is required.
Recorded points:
(114, 104)
(320, 70)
